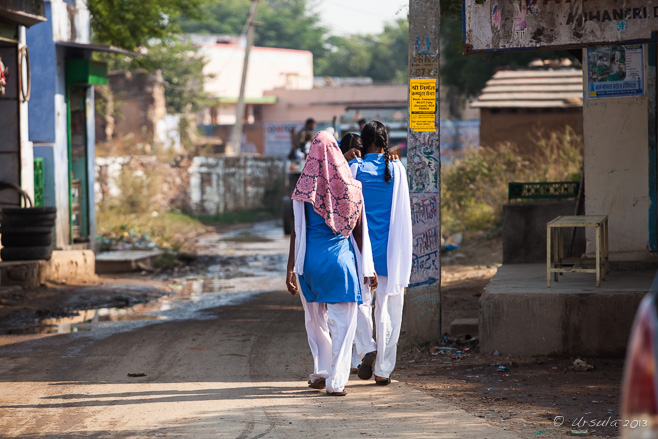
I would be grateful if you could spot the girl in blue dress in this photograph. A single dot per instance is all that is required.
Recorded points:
(388, 212)
(329, 222)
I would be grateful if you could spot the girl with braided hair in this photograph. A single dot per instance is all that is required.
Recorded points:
(388, 212)
(330, 226)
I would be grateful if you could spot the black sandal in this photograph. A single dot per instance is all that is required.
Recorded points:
(365, 369)
(342, 393)
(383, 382)
(319, 384)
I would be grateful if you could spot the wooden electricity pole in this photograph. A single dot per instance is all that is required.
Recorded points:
(422, 309)
(235, 142)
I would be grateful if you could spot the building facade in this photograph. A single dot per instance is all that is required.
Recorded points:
(61, 115)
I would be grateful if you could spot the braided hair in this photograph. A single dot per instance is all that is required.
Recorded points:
(375, 132)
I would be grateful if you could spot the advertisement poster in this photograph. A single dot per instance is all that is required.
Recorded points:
(277, 137)
(615, 71)
(500, 25)
(422, 96)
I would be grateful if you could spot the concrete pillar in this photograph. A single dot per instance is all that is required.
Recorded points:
(422, 315)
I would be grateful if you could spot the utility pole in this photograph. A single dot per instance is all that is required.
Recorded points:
(422, 309)
(235, 142)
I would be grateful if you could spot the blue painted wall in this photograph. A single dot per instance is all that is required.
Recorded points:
(43, 59)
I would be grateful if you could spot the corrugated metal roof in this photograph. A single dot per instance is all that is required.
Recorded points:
(533, 89)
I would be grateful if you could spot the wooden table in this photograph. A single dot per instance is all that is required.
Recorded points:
(556, 263)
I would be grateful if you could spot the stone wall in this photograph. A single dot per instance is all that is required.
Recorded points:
(229, 184)
(162, 185)
(207, 185)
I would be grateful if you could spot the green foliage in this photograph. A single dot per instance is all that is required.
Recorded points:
(382, 57)
(285, 23)
(132, 23)
(181, 65)
(166, 231)
(474, 190)
(292, 24)
(225, 17)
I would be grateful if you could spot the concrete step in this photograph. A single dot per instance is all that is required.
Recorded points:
(125, 261)
(28, 274)
(461, 327)
(65, 266)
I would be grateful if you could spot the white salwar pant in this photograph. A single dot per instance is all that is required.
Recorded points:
(388, 321)
(363, 339)
(330, 329)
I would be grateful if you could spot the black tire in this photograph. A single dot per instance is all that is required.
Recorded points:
(28, 211)
(288, 216)
(34, 222)
(26, 253)
(25, 240)
(26, 230)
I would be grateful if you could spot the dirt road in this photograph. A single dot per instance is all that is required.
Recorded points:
(240, 374)
(204, 370)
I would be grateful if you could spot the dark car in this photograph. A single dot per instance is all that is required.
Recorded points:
(640, 385)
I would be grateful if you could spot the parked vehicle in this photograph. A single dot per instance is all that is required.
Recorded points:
(640, 385)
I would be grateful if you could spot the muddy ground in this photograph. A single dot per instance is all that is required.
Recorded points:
(534, 397)
(525, 395)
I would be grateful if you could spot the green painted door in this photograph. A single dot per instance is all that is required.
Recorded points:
(78, 159)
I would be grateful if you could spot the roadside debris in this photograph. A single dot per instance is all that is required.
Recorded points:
(581, 366)
(137, 375)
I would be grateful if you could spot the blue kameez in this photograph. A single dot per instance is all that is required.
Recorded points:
(329, 265)
(378, 199)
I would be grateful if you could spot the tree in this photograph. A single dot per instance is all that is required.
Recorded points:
(288, 24)
(382, 57)
(132, 23)
(181, 66)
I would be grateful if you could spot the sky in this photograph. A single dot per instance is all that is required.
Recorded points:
(344, 17)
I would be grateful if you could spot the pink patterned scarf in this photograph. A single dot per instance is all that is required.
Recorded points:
(327, 183)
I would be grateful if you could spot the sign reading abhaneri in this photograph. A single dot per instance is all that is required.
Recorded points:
(498, 25)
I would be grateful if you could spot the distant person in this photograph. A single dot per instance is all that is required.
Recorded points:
(362, 122)
(303, 139)
(351, 146)
(332, 131)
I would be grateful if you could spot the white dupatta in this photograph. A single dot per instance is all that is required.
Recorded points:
(399, 250)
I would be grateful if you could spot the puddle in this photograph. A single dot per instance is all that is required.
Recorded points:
(226, 275)
(84, 321)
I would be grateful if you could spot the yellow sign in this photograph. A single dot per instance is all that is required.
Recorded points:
(423, 122)
(422, 105)
(422, 93)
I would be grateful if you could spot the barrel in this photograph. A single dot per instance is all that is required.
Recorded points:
(26, 232)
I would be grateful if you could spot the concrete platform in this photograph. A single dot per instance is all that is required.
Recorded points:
(519, 315)
(27, 274)
(63, 267)
(124, 261)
